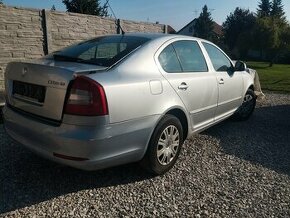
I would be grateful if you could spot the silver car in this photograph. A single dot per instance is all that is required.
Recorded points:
(124, 98)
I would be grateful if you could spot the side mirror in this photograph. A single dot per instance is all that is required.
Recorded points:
(240, 66)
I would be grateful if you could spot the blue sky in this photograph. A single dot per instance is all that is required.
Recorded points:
(176, 13)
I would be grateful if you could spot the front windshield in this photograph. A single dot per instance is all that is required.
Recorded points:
(103, 51)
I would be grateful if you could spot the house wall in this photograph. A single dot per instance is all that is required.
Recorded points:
(31, 33)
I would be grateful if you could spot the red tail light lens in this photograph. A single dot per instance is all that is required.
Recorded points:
(86, 98)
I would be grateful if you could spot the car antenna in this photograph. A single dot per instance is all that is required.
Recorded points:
(117, 21)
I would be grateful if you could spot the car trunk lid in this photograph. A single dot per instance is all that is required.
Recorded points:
(40, 87)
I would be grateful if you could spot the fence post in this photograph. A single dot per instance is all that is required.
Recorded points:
(165, 29)
(45, 26)
(118, 23)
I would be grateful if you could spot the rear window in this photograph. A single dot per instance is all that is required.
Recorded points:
(103, 51)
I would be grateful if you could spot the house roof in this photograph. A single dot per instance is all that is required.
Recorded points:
(217, 29)
(171, 30)
(191, 22)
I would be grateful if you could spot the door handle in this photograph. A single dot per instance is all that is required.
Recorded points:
(183, 86)
(222, 81)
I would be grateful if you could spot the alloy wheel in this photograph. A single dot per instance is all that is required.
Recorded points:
(247, 105)
(168, 145)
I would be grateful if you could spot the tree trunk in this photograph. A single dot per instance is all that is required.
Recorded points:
(271, 63)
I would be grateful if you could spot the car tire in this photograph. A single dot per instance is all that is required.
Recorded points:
(164, 146)
(247, 108)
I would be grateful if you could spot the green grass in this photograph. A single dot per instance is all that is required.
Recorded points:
(275, 78)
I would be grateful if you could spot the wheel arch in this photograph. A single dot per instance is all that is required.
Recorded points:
(177, 113)
(251, 87)
(181, 116)
(248, 82)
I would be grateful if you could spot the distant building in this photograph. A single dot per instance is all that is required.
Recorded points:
(170, 30)
(188, 29)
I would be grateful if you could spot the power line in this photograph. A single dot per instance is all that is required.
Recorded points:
(117, 21)
(107, 3)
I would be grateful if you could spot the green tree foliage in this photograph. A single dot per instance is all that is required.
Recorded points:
(203, 26)
(264, 8)
(92, 7)
(237, 30)
(271, 33)
(285, 37)
(1, 2)
(268, 32)
(273, 38)
(277, 10)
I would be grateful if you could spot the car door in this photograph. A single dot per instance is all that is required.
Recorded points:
(230, 83)
(184, 66)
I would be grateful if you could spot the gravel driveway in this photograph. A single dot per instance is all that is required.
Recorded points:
(235, 169)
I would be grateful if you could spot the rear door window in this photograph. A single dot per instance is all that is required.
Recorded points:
(183, 56)
(190, 56)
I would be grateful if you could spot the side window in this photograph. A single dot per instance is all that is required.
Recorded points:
(190, 56)
(219, 60)
(169, 61)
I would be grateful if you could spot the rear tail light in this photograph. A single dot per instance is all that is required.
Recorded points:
(86, 98)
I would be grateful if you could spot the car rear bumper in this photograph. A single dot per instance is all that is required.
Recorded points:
(90, 147)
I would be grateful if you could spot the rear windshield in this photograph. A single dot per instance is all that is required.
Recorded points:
(102, 51)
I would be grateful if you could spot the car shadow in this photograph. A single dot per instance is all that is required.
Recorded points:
(27, 179)
(267, 135)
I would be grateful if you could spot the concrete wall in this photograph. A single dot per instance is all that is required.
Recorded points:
(68, 28)
(31, 33)
(21, 36)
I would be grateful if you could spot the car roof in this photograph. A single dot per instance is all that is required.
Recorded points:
(153, 36)
(156, 35)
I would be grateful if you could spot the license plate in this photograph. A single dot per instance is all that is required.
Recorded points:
(28, 91)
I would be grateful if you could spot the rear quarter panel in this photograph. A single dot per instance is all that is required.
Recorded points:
(129, 86)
